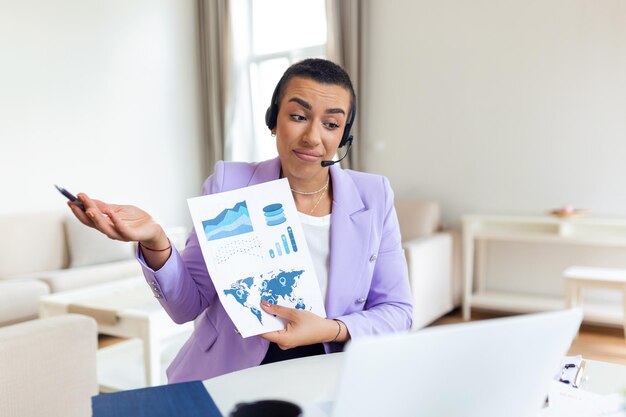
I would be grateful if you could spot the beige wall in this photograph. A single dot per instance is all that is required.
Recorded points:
(498, 106)
(486, 106)
(102, 97)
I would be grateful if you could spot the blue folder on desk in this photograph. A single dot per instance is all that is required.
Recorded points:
(188, 399)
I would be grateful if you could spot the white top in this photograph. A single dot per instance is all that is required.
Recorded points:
(317, 235)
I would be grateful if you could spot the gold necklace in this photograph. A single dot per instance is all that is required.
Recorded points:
(318, 200)
(313, 192)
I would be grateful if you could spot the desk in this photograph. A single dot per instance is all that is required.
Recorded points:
(311, 380)
(603, 377)
(305, 381)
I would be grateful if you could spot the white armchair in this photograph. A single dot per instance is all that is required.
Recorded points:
(48, 367)
(429, 253)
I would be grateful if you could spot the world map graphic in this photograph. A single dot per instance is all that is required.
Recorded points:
(250, 291)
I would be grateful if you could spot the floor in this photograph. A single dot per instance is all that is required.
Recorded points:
(593, 342)
(104, 340)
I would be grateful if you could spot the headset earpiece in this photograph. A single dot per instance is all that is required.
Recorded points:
(347, 137)
(271, 114)
(270, 119)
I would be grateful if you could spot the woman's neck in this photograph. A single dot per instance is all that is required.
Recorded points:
(312, 197)
(315, 205)
(308, 186)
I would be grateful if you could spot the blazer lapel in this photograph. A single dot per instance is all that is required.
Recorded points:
(349, 241)
(266, 171)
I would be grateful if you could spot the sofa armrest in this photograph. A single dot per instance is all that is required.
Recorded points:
(19, 300)
(48, 367)
(429, 260)
(84, 276)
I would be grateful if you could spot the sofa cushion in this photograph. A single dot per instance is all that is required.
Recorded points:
(88, 246)
(32, 242)
(84, 276)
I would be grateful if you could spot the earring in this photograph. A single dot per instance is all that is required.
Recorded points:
(273, 134)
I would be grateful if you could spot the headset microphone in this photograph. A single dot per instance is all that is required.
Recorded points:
(329, 163)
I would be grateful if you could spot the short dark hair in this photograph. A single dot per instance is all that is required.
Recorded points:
(320, 70)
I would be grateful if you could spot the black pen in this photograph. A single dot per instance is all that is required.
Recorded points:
(71, 197)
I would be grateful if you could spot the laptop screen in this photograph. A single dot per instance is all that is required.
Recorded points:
(488, 368)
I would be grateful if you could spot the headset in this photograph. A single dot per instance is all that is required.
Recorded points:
(271, 115)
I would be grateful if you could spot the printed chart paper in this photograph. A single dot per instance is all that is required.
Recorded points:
(254, 248)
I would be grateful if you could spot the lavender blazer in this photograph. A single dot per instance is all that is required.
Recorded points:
(368, 286)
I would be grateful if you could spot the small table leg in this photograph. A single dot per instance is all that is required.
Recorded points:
(572, 294)
(151, 355)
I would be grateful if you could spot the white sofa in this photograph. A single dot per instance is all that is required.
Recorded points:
(48, 367)
(55, 249)
(431, 253)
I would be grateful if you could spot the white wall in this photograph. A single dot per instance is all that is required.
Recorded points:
(103, 97)
(498, 106)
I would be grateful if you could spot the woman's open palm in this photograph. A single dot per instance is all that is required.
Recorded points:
(119, 222)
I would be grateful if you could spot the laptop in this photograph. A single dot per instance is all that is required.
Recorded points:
(489, 368)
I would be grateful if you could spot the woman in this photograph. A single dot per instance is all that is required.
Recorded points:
(349, 222)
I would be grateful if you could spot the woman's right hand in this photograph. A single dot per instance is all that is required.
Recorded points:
(120, 222)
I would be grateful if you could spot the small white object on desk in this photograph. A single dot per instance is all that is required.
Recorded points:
(571, 371)
(600, 392)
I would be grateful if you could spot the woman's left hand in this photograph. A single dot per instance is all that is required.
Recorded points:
(303, 327)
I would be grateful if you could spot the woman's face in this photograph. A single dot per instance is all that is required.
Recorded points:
(311, 120)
